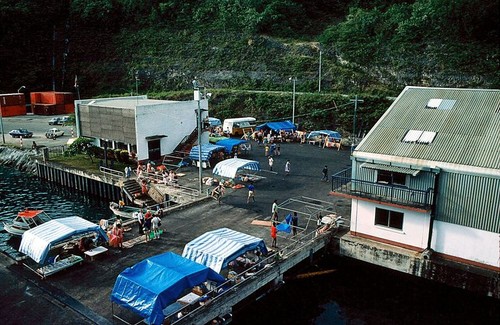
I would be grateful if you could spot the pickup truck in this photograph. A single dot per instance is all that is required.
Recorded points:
(54, 133)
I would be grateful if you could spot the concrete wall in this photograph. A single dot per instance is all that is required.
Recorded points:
(176, 120)
(467, 243)
(415, 225)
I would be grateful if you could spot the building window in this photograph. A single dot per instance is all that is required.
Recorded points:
(417, 136)
(392, 178)
(388, 218)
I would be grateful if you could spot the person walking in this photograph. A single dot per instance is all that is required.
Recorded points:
(295, 223)
(251, 193)
(325, 174)
(271, 163)
(287, 168)
(147, 224)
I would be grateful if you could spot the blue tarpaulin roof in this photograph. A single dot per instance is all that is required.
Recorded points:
(217, 248)
(206, 151)
(37, 242)
(329, 133)
(230, 167)
(156, 282)
(230, 143)
(277, 126)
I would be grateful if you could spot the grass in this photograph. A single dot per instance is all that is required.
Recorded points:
(84, 163)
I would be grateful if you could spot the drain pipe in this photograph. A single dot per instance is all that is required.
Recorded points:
(428, 251)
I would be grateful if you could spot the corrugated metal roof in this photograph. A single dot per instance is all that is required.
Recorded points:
(389, 168)
(468, 133)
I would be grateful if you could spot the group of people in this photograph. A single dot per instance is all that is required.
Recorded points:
(149, 223)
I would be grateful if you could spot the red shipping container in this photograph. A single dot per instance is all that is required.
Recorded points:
(13, 110)
(16, 99)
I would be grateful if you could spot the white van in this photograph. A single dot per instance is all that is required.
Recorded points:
(238, 126)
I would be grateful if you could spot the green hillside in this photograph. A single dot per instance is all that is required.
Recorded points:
(237, 47)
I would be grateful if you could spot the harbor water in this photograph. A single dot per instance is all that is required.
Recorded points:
(354, 293)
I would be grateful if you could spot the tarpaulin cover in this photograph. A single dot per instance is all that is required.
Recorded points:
(329, 133)
(37, 242)
(230, 143)
(285, 225)
(229, 168)
(151, 285)
(206, 151)
(217, 248)
(277, 126)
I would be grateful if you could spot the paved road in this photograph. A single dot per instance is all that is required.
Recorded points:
(38, 124)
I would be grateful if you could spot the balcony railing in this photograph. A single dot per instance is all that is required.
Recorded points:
(389, 193)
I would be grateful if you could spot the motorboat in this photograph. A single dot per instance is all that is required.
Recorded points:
(123, 211)
(25, 220)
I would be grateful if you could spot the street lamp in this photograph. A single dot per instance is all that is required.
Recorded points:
(137, 83)
(294, 80)
(356, 101)
(21, 88)
(197, 96)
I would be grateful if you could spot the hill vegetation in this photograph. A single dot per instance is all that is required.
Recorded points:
(236, 47)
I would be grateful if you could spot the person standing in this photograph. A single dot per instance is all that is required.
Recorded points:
(147, 224)
(287, 168)
(155, 226)
(274, 234)
(140, 221)
(266, 150)
(325, 174)
(251, 193)
(271, 163)
(274, 211)
(295, 223)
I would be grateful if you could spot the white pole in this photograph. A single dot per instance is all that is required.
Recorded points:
(319, 74)
(293, 101)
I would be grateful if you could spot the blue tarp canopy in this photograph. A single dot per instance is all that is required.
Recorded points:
(229, 143)
(206, 151)
(151, 285)
(217, 248)
(229, 168)
(37, 242)
(277, 126)
(331, 134)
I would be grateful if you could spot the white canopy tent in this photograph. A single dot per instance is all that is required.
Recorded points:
(37, 242)
(230, 167)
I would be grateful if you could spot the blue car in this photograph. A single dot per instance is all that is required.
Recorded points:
(17, 133)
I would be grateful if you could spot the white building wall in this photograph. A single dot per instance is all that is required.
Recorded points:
(415, 225)
(467, 243)
(173, 119)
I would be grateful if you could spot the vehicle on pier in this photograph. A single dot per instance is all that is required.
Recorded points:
(26, 220)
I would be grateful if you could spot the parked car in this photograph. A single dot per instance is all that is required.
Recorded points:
(54, 133)
(17, 133)
(64, 120)
(55, 121)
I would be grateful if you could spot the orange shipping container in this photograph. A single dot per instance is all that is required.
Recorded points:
(13, 110)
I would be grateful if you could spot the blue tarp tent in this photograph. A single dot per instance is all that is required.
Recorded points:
(331, 134)
(229, 143)
(277, 126)
(156, 282)
(285, 225)
(217, 248)
(206, 151)
(37, 242)
(230, 167)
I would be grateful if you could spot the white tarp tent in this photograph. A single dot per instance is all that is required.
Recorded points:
(217, 248)
(37, 242)
(229, 168)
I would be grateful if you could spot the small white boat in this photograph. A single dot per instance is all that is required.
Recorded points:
(125, 212)
(26, 220)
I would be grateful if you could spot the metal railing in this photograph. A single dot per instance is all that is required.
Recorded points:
(343, 183)
(111, 172)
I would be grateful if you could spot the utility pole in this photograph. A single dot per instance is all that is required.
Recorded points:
(356, 101)
(319, 74)
(294, 80)
(197, 96)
